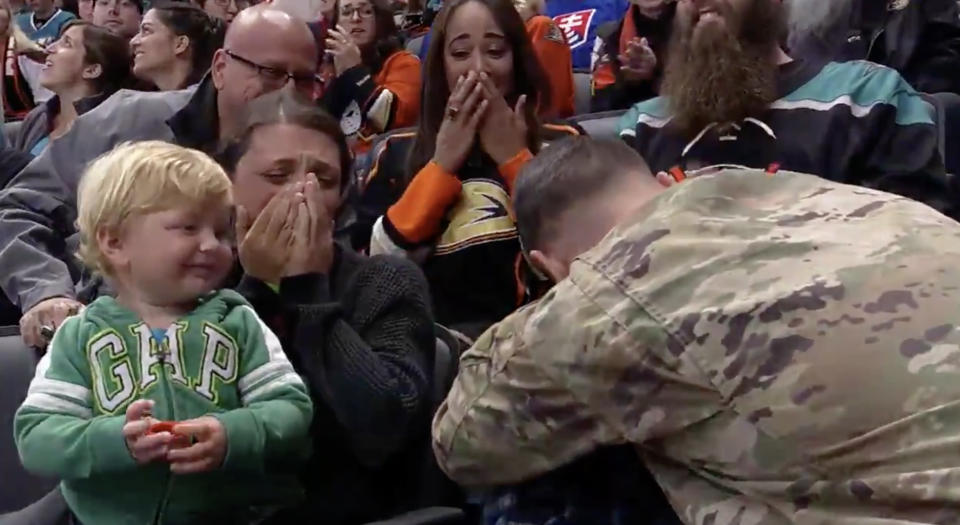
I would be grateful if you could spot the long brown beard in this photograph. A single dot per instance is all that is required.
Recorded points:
(723, 72)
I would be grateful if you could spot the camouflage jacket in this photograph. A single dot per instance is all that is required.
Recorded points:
(780, 349)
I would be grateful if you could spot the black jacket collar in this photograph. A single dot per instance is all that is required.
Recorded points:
(794, 74)
(197, 125)
(83, 105)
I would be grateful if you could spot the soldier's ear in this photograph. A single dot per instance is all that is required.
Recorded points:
(553, 268)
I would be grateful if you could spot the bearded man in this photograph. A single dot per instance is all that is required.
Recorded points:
(732, 96)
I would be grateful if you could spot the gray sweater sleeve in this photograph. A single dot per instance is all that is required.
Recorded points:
(38, 208)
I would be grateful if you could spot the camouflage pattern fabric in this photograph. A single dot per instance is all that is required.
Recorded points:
(780, 349)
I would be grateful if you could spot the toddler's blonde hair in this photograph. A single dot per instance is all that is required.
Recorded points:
(139, 178)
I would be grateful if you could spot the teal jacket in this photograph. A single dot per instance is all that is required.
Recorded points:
(219, 360)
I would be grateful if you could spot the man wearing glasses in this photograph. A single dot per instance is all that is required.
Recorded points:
(265, 50)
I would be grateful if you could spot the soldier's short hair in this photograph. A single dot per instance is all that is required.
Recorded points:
(568, 170)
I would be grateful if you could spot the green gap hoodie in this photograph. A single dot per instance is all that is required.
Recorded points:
(219, 360)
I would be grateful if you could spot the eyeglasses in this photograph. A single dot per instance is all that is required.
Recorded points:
(364, 12)
(278, 77)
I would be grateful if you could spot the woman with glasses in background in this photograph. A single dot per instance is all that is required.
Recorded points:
(372, 83)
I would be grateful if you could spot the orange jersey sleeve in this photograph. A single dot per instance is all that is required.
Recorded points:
(401, 75)
(556, 59)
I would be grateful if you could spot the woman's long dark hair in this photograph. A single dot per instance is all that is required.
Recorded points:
(109, 51)
(205, 32)
(387, 40)
(528, 79)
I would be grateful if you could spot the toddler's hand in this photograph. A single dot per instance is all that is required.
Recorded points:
(144, 448)
(208, 451)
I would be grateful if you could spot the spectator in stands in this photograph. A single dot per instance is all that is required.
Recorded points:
(84, 67)
(731, 95)
(375, 85)
(553, 52)
(630, 55)
(920, 38)
(317, 14)
(358, 329)
(17, 94)
(120, 16)
(412, 25)
(44, 23)
(197, 387)
(580, 20)
(264, 50)
(445, 188)
(225, 10)
(85, 9)
(175, 45)
(717, 329)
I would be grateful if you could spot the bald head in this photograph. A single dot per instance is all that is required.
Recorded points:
(265, 26)
(265, 50)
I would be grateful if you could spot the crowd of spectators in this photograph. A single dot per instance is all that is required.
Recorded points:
(372, 175)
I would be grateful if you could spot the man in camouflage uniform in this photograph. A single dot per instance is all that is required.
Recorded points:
(779, 348)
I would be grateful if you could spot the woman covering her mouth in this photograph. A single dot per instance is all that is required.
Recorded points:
(371, 83)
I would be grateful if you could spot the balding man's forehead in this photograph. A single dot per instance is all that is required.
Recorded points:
(272, 37)
(262, 21)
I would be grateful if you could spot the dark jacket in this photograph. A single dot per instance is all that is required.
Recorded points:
(852, 122)
(918, 38)
(11, 162)
(620, 491)
(363, 339)
(40, 121)
(39, 206)
(465, 222)
(610, 90)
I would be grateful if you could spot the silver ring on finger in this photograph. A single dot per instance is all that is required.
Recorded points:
(452, 112)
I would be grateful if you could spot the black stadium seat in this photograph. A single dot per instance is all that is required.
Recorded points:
(17, 363)
(948, 111)
(414, 45)
(600, 125)
(582, 91)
